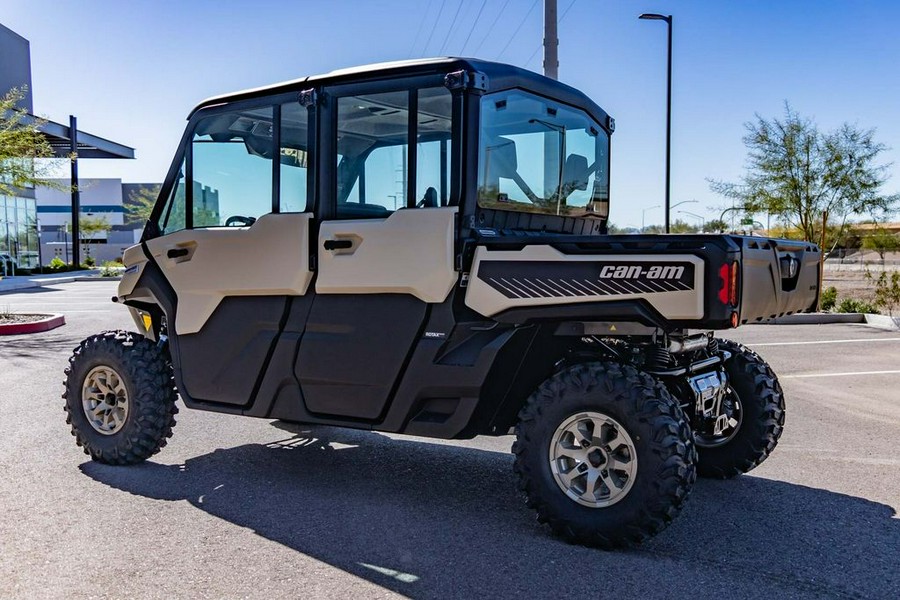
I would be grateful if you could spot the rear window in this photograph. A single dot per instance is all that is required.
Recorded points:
(540, 156)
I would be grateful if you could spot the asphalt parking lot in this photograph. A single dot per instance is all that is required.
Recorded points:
(237, 507)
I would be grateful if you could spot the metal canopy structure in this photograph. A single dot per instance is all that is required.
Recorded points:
(68, 141)
(88, 145)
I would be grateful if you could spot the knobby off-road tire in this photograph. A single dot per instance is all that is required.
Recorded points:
(762, 416)
(651, 418)
(120, 397)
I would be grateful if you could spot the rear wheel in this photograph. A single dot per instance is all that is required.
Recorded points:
(755, 406)
(604, 455)
(120, 397)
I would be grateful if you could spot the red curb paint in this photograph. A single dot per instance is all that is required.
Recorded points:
(51, 322)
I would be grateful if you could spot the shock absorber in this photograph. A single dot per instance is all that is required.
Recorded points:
(658, 358)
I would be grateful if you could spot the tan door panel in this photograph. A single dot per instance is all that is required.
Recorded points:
(409, 252)
(269, 258)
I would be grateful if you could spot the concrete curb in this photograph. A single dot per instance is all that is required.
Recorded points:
(883, 322)
(879, 321)
(11, 286)
(46, 324)
(818, 319)
(98, 278)
(33, 283)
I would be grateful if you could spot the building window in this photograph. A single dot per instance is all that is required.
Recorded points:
(18, 231)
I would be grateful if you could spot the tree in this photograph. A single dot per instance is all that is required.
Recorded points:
(140, 203)
(717, 226)
(679, 226)
(89, 227)
(881, 241)
(808, 178)
(21, 145)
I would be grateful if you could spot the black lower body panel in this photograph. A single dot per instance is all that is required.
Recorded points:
(223, 361)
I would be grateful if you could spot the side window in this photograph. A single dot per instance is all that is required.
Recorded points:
(375, 159)
(172, 217)
(232, 168)
(293, 157)
(433, 147)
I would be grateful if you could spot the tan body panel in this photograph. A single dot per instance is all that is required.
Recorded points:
(409, 252)
(269, 258)
(486, 300)
(133, 259)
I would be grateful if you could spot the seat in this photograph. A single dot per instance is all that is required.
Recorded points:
(430, 199)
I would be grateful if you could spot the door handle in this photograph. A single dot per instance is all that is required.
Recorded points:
(177, 252)
(338, 244)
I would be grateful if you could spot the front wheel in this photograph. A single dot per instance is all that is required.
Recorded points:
(755, 403)
(604, 455)
(120, 397)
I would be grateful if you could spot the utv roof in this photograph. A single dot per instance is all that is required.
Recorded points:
(499, 77)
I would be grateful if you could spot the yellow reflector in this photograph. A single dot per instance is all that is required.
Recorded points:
(148, 321)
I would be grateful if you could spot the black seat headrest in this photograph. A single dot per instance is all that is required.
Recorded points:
(430, 200)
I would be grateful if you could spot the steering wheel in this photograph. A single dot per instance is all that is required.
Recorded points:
(240, 221)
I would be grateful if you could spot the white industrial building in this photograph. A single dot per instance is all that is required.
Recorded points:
(100, 198)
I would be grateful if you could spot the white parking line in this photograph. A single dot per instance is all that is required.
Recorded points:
(855, 341)
(806, 375)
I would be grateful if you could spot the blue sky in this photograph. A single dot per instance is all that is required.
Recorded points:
(131, 71)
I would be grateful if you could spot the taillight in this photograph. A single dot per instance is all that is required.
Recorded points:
(733, 288)
(728, 290)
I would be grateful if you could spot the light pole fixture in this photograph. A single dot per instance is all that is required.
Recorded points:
(685, 202)
(701, 217)
(668, 20)
(644, 212)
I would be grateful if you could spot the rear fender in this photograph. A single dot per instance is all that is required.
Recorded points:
(525, 361)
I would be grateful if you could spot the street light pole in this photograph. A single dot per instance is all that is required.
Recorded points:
(668, 20)
(644, 212)
(701, 217)
(685, 202)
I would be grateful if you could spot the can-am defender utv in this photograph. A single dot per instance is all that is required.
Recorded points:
(421, 248)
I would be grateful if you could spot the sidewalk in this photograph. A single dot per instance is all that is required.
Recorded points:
(9, 284)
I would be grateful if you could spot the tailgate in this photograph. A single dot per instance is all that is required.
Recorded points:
(778, 277)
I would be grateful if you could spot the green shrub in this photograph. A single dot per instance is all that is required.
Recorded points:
(89, 262)
(58, 264)
(829, 298)
(852, 305)
(108, 269)
(887, 290)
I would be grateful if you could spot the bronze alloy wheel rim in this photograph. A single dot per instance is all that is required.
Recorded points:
(104, 398)
(593, 459)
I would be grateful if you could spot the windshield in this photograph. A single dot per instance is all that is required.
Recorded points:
(540, 156)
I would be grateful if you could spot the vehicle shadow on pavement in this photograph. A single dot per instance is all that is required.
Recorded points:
(45, 344)
(432, 520)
